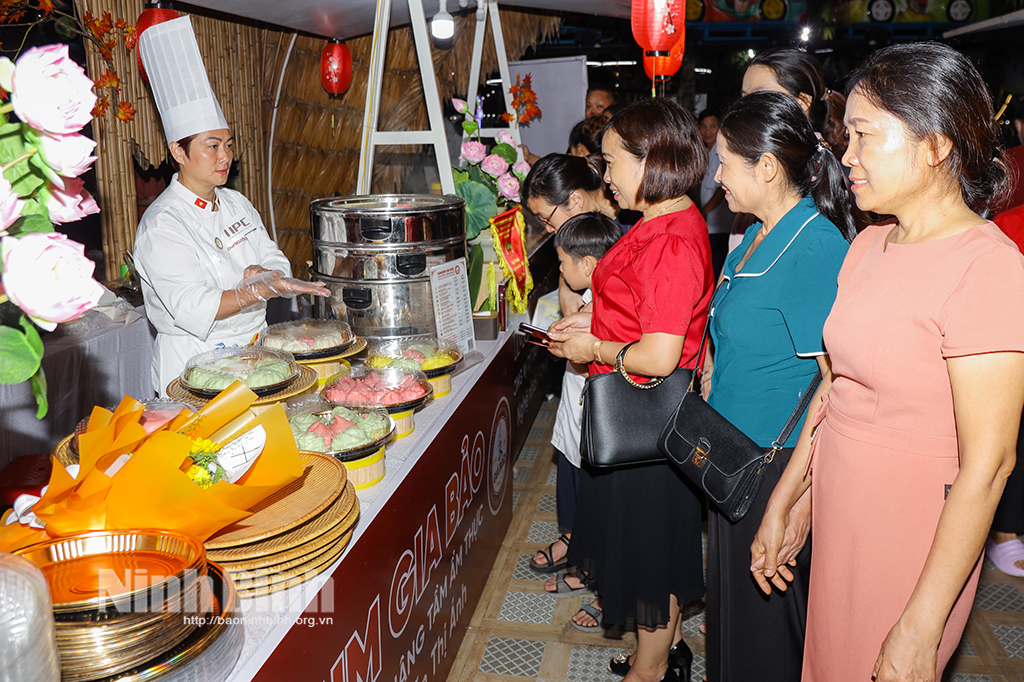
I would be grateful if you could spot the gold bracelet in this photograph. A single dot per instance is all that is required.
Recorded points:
(597, 351)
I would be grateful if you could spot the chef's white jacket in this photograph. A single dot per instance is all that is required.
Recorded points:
(187, 254)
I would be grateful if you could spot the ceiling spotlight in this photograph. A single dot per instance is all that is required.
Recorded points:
(805, 33)
(442, 26)
(751, 53)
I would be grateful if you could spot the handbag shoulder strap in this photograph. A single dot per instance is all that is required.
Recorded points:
(795, 417)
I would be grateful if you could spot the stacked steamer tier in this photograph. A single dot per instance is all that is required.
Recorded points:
(136, 604)
(397, 391)
(294, 534)
(273, 375)
(321, 345)
(355, 437)
(436, 358)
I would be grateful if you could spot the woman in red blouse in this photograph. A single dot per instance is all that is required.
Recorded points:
(637, 530)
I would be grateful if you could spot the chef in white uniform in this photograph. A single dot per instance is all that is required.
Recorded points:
(205, 259)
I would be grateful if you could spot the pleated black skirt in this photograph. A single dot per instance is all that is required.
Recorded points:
(636, 538)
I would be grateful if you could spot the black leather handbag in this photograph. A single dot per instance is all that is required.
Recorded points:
(717, 456)
(622, 417)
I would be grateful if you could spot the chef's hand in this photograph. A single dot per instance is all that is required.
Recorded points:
(253, 270)
(273, 284)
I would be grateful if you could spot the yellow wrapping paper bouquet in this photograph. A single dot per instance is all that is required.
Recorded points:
(128, 479)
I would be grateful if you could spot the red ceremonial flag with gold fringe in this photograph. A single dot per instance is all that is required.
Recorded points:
(509, 232)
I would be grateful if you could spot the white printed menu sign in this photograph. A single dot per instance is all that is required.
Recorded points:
(453, 312)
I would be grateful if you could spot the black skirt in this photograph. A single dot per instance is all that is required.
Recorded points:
(752, 636)
(636, 539)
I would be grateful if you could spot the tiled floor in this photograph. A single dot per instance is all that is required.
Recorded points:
(519, 633)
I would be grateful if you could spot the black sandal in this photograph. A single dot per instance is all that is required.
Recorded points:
(551, 566)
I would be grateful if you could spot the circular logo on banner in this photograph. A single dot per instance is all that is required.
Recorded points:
(219, 243)
(501, 437)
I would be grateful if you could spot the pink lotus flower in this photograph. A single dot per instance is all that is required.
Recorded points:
(68, 155)
(460, 105)
(494, 165)
(48, 276)
(508, 187)
(473, 152)
(51, 92)
(10, 204)
(521, 169)
(505, 138)
(69, 203)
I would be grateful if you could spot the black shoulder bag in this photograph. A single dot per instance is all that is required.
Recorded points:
(717, 456)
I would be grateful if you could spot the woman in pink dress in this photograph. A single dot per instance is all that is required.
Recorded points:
(916, 434)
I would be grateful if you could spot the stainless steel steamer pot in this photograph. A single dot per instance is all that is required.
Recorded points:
(374, 253)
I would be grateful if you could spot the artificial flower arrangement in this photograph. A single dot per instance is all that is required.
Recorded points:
(45, 277)
(489, 184)
(196, 474)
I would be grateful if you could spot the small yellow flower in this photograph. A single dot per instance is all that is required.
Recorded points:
(202, 446)
(200, 476)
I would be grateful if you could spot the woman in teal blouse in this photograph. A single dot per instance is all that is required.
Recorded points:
(767, 317)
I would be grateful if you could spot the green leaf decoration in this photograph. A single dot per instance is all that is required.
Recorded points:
(33, 222)
(35, 342)
(39, 166)
(18, 358)
(480, 206)
(460, 176)
(24, 179)
(477, 175)
(470, 127)
(38, 384)
(6, 74)
(475, 270)
(505, 151)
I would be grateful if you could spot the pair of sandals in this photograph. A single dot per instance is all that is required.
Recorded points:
(563, 588)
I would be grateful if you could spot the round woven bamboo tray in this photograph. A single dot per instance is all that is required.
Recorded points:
(304, 553)
(306, 381)
(345, 510)
(62, 452)
(323, 479)
(299, 575)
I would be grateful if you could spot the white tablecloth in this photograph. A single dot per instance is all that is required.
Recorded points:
(98, 368)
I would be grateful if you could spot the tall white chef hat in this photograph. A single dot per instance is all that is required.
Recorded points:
(178, 77)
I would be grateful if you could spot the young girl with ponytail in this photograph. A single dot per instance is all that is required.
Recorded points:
(766, 325)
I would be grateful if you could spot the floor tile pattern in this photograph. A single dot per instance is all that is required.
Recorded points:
(996, 597)
(548, 504)
(527, 607)
(517, 657)
(518, 633)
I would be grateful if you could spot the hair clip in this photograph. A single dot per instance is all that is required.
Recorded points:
(822, 146)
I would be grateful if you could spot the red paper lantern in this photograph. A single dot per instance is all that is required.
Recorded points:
(336, 67)
(662, 68)
(155, 12)
(658, 24)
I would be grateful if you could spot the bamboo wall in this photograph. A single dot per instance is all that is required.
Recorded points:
(317, 139)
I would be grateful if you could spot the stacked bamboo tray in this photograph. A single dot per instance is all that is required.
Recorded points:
(293, 535)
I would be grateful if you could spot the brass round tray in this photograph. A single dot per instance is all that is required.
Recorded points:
(305, 381)
(323, 479)
(299, 575)
(202, 639)
(313, 534)
(75, 566)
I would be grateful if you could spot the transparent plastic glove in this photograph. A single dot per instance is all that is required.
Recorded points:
(272, 284)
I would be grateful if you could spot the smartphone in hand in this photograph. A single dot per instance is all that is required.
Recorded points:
(535, 335)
